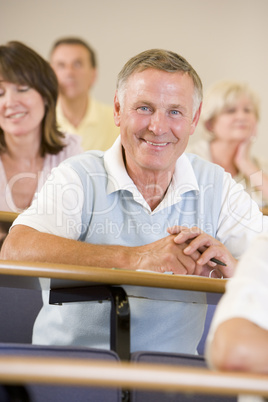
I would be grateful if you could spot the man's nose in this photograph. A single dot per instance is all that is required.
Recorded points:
(158, 123)
(68, 70)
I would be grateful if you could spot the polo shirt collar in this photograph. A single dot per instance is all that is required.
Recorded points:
(183, 179)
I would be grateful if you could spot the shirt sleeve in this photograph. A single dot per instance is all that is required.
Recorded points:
(58, 207)
(246, 293)
(240, 219)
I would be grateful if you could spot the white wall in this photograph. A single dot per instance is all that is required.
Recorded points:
(221, 39)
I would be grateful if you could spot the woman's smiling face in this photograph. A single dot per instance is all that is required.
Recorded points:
(22, 109)
(236, 122)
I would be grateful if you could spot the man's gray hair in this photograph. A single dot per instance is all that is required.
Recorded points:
(159, 59)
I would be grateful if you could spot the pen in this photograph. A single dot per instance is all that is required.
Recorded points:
(218, 262)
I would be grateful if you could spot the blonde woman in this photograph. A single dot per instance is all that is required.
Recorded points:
(229, 121)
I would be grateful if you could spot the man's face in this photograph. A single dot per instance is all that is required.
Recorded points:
(156, 119)
(74, 71)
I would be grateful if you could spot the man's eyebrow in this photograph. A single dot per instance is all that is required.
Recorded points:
(143, 102)
(176, 106)
(78, 58)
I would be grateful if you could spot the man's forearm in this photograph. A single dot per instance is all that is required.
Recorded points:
(26, 244)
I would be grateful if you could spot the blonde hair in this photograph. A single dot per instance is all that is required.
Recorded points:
(224, 94)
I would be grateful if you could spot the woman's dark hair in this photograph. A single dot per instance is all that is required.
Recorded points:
(21, 65)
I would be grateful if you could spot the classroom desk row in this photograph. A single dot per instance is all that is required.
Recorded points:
(72, 283)
(6, 216)
(55, 275)
(265, 210)
(128, 375)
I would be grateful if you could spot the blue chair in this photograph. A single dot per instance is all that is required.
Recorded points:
(60, 393)
(18, 311)
(173, 359)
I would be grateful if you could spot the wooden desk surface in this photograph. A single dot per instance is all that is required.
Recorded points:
(264, 210)
(7, 216)
(12, 273)
(23, 370)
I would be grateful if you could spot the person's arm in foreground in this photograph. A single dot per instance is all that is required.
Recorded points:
(238, 336)
(239, 344)
(25, 243)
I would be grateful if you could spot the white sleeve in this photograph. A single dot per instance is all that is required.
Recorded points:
(246, 293)
(58, 206)
(240, 218)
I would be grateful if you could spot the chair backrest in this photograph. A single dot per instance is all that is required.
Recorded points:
(18, 311)
(55, 393)
(173, 359)
(18, 307)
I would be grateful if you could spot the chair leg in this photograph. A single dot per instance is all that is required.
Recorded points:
(120, 323)
(17, 393)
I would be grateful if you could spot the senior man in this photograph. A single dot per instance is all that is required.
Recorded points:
(143, 204)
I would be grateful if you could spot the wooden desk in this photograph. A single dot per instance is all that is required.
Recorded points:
(23, 370)
(71, 283)
(265, 210)
(81, 372)
(7, 216)
(12, 271)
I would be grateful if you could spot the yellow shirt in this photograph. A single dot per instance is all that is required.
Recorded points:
(97, 128)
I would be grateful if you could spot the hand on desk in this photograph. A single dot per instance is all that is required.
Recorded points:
(165, 255)
(208, 247)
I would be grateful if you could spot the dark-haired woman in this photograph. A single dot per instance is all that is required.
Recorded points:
(30, 143)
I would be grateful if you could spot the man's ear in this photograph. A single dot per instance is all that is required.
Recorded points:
(94, 76)
(117, 110)
(196, 119)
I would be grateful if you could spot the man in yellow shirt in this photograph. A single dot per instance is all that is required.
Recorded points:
(74, 63)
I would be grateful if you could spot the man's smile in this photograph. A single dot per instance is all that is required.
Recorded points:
(158, 144)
